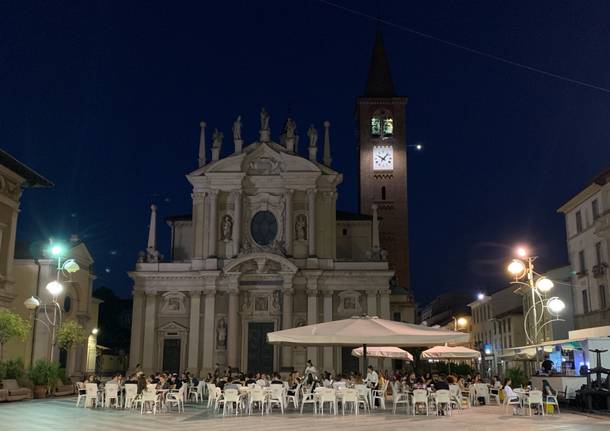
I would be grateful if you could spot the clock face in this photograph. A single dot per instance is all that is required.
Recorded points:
(383, 158)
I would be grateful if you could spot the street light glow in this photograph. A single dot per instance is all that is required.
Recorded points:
(481, 296)
(516, 267)
(55, 288)
(521, 252)
(544, 284)
(461, 322)
(31, 303)
(57, 250)
(556, 305)
(94, 331)
(418, 147)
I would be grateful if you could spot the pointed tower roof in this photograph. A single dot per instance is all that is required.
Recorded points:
(379, 82)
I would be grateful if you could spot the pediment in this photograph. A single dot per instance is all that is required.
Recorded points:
(172, 327)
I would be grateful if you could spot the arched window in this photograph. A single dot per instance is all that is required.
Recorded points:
(67, 304)
(382, 124)
(383, 193)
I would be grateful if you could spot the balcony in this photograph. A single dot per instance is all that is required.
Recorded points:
(602, 225)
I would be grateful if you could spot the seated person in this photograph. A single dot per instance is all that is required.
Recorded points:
(277, 379)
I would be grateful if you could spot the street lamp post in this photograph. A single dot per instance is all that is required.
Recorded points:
(55, 288)
(541, 308)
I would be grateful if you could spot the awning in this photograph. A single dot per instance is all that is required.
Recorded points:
(384, 352)
(448, 353)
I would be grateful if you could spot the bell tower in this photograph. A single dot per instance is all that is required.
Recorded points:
(382, 149)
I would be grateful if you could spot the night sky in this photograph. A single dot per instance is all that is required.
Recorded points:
(105, 99)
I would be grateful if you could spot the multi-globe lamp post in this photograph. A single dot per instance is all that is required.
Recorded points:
(52, 321)
(543, 310)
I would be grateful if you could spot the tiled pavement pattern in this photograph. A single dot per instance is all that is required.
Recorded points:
(61, 415)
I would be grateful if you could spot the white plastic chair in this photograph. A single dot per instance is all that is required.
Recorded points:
(363, 396)
(349, 396)
(513, 400)
(399, 397)
(420, 396)
(256, 395)
(111, 392)
(328, 396)
(176, 398)
(131, 393)
(481, 391)
(443, 401)
(81, 391)
(91, 394)
(196, 392)
(310, 397)
(211, 394)
(534, 399)
(494, 395)
(276, 397)
(380, 394)
(148, 396)
(552, 401)
(294, 396)
(456, 396)
(229, 400)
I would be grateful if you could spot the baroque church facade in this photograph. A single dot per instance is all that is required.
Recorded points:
(266, 249)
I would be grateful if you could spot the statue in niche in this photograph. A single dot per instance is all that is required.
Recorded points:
(312, 133)
(221, 334)
(264, 119)
(290, 128)
(217, 138)
(237, 129)
(227, 228)
(301, 227)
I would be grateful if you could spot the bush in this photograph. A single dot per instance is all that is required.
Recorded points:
(45, 373)
(12, 369)
(517, 375)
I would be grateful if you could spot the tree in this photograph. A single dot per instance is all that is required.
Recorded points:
(70, 333)
(12, 325)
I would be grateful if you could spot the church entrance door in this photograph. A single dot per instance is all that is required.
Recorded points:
(260, 353)
(349, 363)
(171, 355)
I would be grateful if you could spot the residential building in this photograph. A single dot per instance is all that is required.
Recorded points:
(587, 218)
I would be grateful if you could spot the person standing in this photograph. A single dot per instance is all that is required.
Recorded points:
(310, 372)
(372, 378)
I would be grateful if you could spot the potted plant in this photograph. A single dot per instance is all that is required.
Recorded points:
(44, 376)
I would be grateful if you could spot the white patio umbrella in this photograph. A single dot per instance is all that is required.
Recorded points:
(384, 352)
(449, 352)
(365, 331)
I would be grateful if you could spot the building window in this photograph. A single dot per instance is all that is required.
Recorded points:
(582, 265)
(67, 304)
(344, 232)
(509, 325)
(602, 297)
(595, 207)
(585, 302)
(383, 193)
(396, 317)
(376, 126)
(578, 222)
(510, 340)
(388, 127)
(598, 252)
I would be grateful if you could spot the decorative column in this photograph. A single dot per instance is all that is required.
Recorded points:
(287, 293)
(289, 225)
(326, 159)
(328, 316)
(212, 226)
(194, 323)
(233, 325)
(371, 303)
(312, 311)
(384, 303)
(311, 221)
(375, 238)
(150, 333)
(208, 330)
(236, 223)
(135, 350)
(198, 225)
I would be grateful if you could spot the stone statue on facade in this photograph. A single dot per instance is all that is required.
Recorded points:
(217, 138)
(237, 129)
(227, 228)
(264, 119)
(290, 128)
(312, 133)
(301, 227)
(221, 334)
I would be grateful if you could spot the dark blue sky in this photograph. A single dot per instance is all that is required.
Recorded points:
(105, 98)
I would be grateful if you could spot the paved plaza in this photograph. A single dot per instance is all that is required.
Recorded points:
(62, 415)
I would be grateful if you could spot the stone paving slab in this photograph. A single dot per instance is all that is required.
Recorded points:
(62, 415)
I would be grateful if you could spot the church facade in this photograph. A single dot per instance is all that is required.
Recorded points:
(263, 249)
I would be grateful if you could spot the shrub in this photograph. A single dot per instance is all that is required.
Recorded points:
(44, 373)
(13, 369)
(517, 375)
(12, 325)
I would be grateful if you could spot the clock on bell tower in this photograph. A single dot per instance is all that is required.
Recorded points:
(383, 161)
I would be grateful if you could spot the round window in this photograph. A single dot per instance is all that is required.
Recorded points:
(263, 227)
(67, 304)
